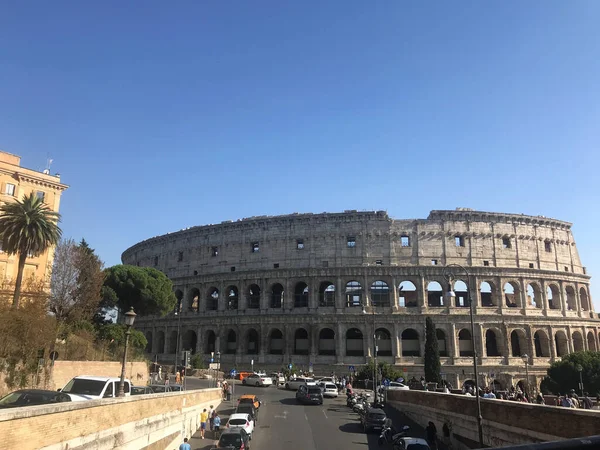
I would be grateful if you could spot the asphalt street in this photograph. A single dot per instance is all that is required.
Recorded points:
(284, 424)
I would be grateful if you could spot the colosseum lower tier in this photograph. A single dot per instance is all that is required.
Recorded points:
(329, 290)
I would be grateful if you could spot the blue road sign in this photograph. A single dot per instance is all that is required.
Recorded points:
(232, 372)
(351, 368)
(386, 382)
(212, 360)
(290, 366)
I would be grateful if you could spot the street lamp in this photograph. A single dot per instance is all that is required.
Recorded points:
(526, 361)
(579, 369)
(218, 363)
(374, 349)
(178, 314)
(450, 295)
(129, 319)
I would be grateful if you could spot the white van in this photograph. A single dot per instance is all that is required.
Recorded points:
(84, 387)
(294, 384)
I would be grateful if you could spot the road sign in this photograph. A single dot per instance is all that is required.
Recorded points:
(290, 366)
(351, 368)
(232, 372)
(212, 360)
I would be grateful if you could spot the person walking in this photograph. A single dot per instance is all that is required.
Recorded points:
(211, 411)
(203, 419)
(431, 433)
(185, 445)
(177, 377)
(217, 422)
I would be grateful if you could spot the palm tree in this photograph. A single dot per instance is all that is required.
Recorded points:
(27, 227)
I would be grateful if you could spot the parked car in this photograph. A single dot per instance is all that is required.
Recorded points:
(242, 420)
(309, 394)
(32, 397)
(250, 398)
(235, 438)
(176, 387)
(160, 388)
(412, 443)
(278, 378)
(85, 387)
(395, 386)
(140, 390)
(257, 380)
(248, 408)
(373, 419)
(325, 380)
(329, 390)
(293, 385)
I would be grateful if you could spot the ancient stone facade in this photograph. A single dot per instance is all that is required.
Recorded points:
(328, 289)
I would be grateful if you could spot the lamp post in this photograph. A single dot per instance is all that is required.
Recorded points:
(129, 319)
(579, 369)
(526, 361)
(374, 349)
(450, 295)
(178, 314)
(218, 364)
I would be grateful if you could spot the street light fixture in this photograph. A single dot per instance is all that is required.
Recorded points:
(526, 361)
(579, 369)
(450, 295)
(129, 319)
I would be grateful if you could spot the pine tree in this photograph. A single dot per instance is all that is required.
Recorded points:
(432, 355)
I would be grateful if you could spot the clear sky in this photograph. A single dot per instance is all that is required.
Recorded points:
(163, 115)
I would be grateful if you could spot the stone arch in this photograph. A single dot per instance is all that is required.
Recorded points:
(541, 344)
(210, 343)
(326, 345)
(354, 342)
(465, 343)
(518, 343)
(301, 293)
(173, 342)
(553, 296)
(583, 298)
(380, 293)
(435, 294)
(561, 342)
(253, 342)
(160, 342)
(497, 385)
(577, 341)
(276, 342)
(189, 341)
(407, 294)
(353, 294)
(591, 342)
(253, 296)
(301, 342)
(149, 341)
(233, 298)
(231, 342)
(441, 338)
(411, 345)
(571, 301)
(534, 296)
(277, 293)
(512, 294)
(488, 294)
(193, 303)
(179, 297)
(326, 293)
(461, 292)
(384, 342)
(492, 344)
(212, 299)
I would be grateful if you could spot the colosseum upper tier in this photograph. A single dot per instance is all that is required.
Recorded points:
(332, 289)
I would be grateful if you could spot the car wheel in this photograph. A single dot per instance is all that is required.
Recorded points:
(258, 383)
(244, 381)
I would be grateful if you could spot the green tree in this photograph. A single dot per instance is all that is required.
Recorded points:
(563, 375)
(197, 362)
(385, 370)
(114, 335)
(28, 227)
(146, 289)
(433, 366)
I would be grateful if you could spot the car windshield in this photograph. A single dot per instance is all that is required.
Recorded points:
(247, 408)
(246, 400)
(159, 388)
(230, 439)
(237, 422)
(83, 386)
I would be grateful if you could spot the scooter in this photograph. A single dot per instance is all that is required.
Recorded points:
(362, 404)
(389, 435)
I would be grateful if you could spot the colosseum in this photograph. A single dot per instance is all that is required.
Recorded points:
(327, 291)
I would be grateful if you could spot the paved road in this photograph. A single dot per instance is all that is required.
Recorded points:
(283, 424)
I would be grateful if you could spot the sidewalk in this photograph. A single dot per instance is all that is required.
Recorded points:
(210, 440)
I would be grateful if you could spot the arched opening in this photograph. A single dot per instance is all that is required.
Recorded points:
(326, 294)
(253, 341)
(354, 342)
(497, 386)
(542, 344)
(441, 338)
(571, 303)
(512, 295)
(210, 342)
(190, 339)
(522, 385)
(179, 297)
(465, 343)
(232, 298)
(435, 294)
(326, 342)
(583, 297)
(254, 296)
(212, 301)
(301, 342)
(149, 341)
(407, 294)
(276, 342)
(231, 346)
(301, 295)
(353, 294)
(461, 291)
(491, 344)
(553, 295)
(518, 343)
(383, 341)
(194, 300)
(173, 342)
(534, 296)
(562, 346)
(577, 341)
(276, 296)
(487, 294)
(380, 293)
(591, 342)
(410, 343)
(160, 342)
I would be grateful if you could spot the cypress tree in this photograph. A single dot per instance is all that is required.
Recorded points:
(432, 355)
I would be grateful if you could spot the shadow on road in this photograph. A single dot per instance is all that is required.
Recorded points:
(288, 401)
(352, 428)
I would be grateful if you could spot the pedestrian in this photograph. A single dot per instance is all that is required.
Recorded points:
(211, 411)
(431, 433)
(217, 423)
(203, 419)
(566, 402)
(159, 373)
(185, 445)
(229, 392)
(540, 399)
(587, 401)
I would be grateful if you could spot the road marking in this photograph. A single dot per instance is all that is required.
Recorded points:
(325, 414)
(305, 416)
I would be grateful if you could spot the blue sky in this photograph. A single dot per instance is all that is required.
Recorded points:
(162, 116)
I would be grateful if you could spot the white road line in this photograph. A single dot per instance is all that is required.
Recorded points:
(325, 414)
(305, 416)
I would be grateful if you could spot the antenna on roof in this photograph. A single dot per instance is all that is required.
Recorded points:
(49, 162)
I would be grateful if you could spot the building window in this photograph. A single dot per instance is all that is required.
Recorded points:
(351, 242)
(547, 246)
(155, 261)
(180, 257)
(41, 195)
(566, 269)
(459, 241)
(255, 247)
(276, 266)
(379, 262)
(214, 251)
(531, 265)
(486, 263)
(10, 189)
(325, 263)
(405, 241)
(195, 272)
(233, 268)
(506, 242)
(300, 244)
(434, 262)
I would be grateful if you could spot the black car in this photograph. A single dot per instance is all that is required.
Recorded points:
(373, 419)
(31, 397)
(248, 408)
(141, 390)
(309, 394)
(236, 438)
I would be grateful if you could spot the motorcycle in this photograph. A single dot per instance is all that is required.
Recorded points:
(362, 404)
(389, 435)
(351, 400)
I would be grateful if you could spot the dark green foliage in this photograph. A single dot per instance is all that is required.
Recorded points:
(197, 362)
(385, 370)
(433, 366)
(563, 375)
